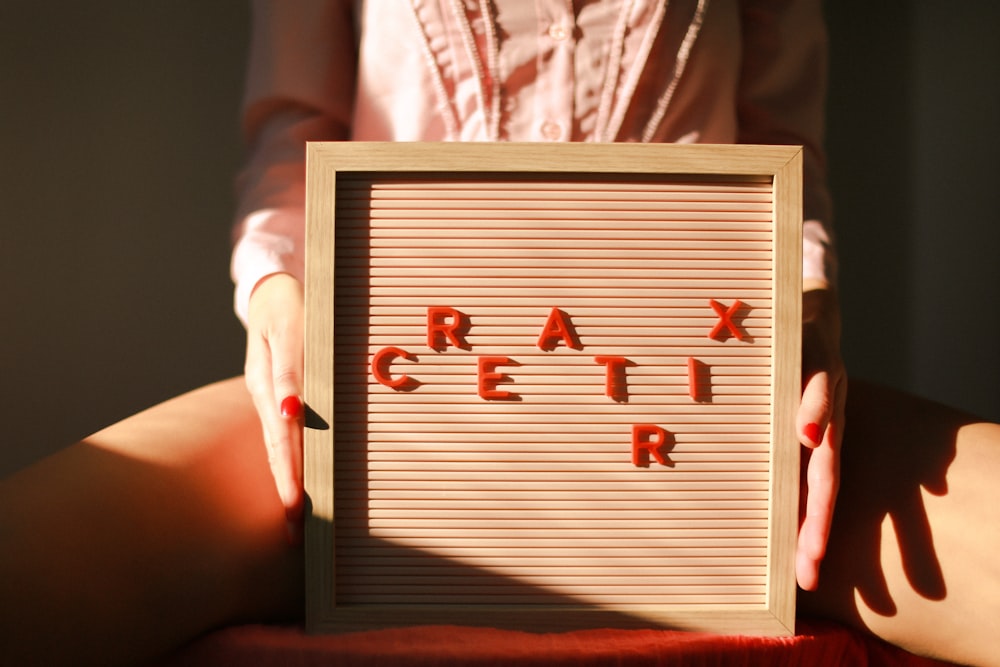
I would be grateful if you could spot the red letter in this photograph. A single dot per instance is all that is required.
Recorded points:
(696, 374)
(648, 439)
(558, 327)
(725, 319)
(614, 380)
(381, 361)
(444, 326)
(488, 378)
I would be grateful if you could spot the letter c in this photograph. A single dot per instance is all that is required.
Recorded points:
(382, 360)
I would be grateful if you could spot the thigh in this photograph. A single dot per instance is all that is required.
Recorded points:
(143, 535)
(912, 555)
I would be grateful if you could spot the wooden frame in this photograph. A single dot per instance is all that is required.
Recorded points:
(577, 410)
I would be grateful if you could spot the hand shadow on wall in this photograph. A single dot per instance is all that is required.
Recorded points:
(896, 447)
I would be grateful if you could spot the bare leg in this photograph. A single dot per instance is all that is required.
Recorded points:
(167, 524)
(144, 535)
(914, 552)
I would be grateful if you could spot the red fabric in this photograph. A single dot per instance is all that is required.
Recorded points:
(817, 644)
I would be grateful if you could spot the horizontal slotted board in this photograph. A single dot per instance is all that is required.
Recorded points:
(445, 498)
(442, 507)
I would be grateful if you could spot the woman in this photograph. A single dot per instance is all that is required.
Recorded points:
(181, 519)
(711, 72)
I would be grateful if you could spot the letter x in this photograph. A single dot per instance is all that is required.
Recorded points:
(725, 319)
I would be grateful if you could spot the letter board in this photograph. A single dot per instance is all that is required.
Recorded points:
(555, 385)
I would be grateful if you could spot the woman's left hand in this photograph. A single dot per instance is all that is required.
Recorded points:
(820, 427)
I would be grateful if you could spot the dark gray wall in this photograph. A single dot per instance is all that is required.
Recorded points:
(914, 147)
(118, 143)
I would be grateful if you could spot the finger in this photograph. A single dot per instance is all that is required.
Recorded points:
(257, 372)
(815, 409)
(822, 486)
(260, 382)
(286, 378)
(818, 515)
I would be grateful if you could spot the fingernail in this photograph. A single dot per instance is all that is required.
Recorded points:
(291, 407)
(814, 433)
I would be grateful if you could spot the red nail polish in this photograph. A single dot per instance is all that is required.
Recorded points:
(291, 407)
(814, 433)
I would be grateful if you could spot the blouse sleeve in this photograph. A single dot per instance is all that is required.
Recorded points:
(782, 97)
(299, 88)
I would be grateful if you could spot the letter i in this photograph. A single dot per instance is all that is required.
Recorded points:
(698, 381)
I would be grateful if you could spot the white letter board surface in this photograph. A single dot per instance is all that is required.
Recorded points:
(552, 386)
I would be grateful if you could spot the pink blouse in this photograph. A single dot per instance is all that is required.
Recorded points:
(711, 71)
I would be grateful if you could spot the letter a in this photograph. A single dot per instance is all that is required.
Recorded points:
(558, 328)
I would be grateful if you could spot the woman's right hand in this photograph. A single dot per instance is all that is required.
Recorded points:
(273, 369)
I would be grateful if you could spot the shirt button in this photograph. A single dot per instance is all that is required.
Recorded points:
(558, 32)
(551, 130)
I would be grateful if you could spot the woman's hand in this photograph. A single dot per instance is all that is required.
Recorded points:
(820, 427)
(274, 377)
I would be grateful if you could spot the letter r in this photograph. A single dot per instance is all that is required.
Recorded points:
(444, 325)
(648, 440)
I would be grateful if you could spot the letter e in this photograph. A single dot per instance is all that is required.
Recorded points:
(488, 378)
